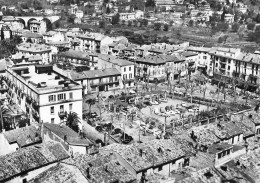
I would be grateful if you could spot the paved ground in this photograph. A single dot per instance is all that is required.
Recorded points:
(133, 129)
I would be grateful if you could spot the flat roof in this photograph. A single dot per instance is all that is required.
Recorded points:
(47, 79)
(35, 48)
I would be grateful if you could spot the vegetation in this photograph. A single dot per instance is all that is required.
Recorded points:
(72, 121)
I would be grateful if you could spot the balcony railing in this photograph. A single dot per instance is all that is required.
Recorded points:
(62, 114)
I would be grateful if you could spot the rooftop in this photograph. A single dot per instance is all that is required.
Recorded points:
(23, 136)
(29, 34)
(115, 60)
(216, 148)
(59, 173)
(47, 79)
(75, 54)
(188, 54)
(34, 48)
(30, 158)
(148, 154)
(93, 74)
(249, 57)
(200, 49)
(103, 167)
(73, 138)
(160, 59)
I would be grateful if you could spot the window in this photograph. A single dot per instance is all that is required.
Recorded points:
(124, 69)
(228, 151)
(70, 107)
(71, 95)
(61, 108)
(129, 68)
(229, 61)
(110, 79)
(52, 98)
(52, 110)
(228, 67)
(130, 76)
(204, 57)
(62, 96)
(125, 76)
(52, 120)
(219, 155)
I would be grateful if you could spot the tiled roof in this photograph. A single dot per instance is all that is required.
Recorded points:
(30, 158)
(216, 148)
(75, 54)
(148, 154)
(200, 49)
(92, 74)
(59, 173)
(73, 138)
(115, 60)
(23, 136)
(249, 57)
(29, 34)
(159, 59)
(103, 168)
(188, 54)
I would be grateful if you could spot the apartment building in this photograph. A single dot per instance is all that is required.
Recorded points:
(76, 57)
(126, 68)
(204, 61)
(247, 70)
(155, 68)
(94, 42)
(224, 61)
(43, 93)
(30, 49)
(94, 81)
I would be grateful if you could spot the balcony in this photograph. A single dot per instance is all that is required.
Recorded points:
(62, 114)
(28, 99)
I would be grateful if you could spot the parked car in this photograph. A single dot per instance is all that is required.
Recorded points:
(163, 100)
(154, 102)
(148, 103)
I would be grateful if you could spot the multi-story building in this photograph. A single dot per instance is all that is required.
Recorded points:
(247, 70)
(43, 93)
(204, 61)
(54, 36)
(29, 49)
(76, 57)
(38, 26)
(224, 62)
(155, 68)
(94, 42)
(126, 68)
(97, 80)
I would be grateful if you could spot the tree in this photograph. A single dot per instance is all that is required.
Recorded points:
(157, 26)
(150, 3)
(235, 27)
(257, 19)
(222, 26)
(72, 121)
(191, 23)
(90, 102)
(129, 23)
(115, 19)
(165, 27)
(102, 24)
(251, 26)
(108, 11)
